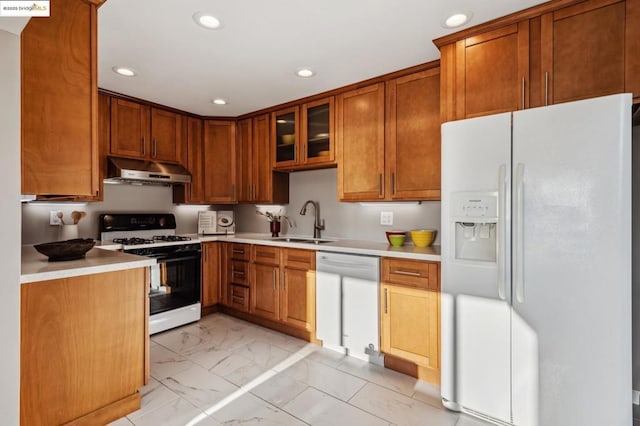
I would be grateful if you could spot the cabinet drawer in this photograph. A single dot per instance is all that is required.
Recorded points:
(411, 273)
(266, 255)
(299, 259)
(239, 297)
(239, 272)
(239, 251)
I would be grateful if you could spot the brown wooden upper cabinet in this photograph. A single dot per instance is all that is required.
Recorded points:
(303, 136)
(407, 131)
(143, 132)
(219, 156)
(486, 74)
(583, 51)
(360, 130)
(257, 182)
(412, 137)
(285, 133)
(555, 53)
(317, 134)
(60, 153)
(192, 155)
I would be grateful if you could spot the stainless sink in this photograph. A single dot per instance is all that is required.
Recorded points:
(308, 240)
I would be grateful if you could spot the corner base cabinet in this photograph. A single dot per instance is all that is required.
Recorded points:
(410, 314)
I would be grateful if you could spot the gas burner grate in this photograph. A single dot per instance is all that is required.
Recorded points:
(132, 241)
(171, 238)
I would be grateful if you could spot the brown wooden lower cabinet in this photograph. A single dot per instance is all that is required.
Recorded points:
(210, 274)
(238, 297)
(265, 288)
(84, 348)
(283, 285)
(234, 267)
(298, 292)
(410, 315)
(272, 283)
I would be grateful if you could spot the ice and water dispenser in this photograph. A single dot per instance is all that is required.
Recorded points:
(474, 216)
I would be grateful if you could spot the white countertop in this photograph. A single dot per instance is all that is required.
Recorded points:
(36, 266)
(338, 246)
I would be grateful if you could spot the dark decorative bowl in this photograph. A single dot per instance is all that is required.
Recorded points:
(66, 250)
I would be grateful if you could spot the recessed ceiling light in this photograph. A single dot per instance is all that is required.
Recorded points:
(457, 19)
(305, 73)
(219, 101)
(126, 72)
(207, 20)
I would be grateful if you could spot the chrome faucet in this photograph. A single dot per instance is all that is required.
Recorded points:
(318, 224)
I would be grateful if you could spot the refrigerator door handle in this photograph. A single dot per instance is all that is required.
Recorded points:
(519, 233)
(502, 223)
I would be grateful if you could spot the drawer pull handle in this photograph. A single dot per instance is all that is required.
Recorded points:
(265, 254)
(298, 259)
(240, 251)
(409, 273)
(238, 299)
(238, 273)
(385, 302)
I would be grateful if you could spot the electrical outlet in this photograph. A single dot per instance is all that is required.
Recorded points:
(53, 218)
(386, 218)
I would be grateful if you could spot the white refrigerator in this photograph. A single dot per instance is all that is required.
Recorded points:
(536, 265)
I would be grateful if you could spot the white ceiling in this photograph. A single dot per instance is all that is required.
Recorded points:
(251, 61)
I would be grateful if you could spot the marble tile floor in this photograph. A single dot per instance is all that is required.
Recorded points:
(225, 371)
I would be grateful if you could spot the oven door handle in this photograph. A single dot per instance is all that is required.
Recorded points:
(178, 259)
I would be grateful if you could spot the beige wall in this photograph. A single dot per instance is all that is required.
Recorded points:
(10, 229)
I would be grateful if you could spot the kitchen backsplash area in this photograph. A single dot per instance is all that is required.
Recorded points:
(117, 198)
(358, 221)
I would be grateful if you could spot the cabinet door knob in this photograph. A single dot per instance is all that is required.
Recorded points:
(393, 183)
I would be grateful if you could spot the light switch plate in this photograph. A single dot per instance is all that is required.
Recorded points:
(53, 218)
(386, 218)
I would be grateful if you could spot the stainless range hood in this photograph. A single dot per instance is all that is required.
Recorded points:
(141, 172)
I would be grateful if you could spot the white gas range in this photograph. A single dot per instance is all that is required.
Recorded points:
(175, 281)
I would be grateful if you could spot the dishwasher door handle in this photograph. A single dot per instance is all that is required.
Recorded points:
(339, 264)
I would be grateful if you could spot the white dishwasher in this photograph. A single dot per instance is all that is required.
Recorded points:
(347, 301)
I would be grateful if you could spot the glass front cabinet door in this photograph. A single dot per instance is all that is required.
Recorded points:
(318, 132)
(305, 142)
(285, 137)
